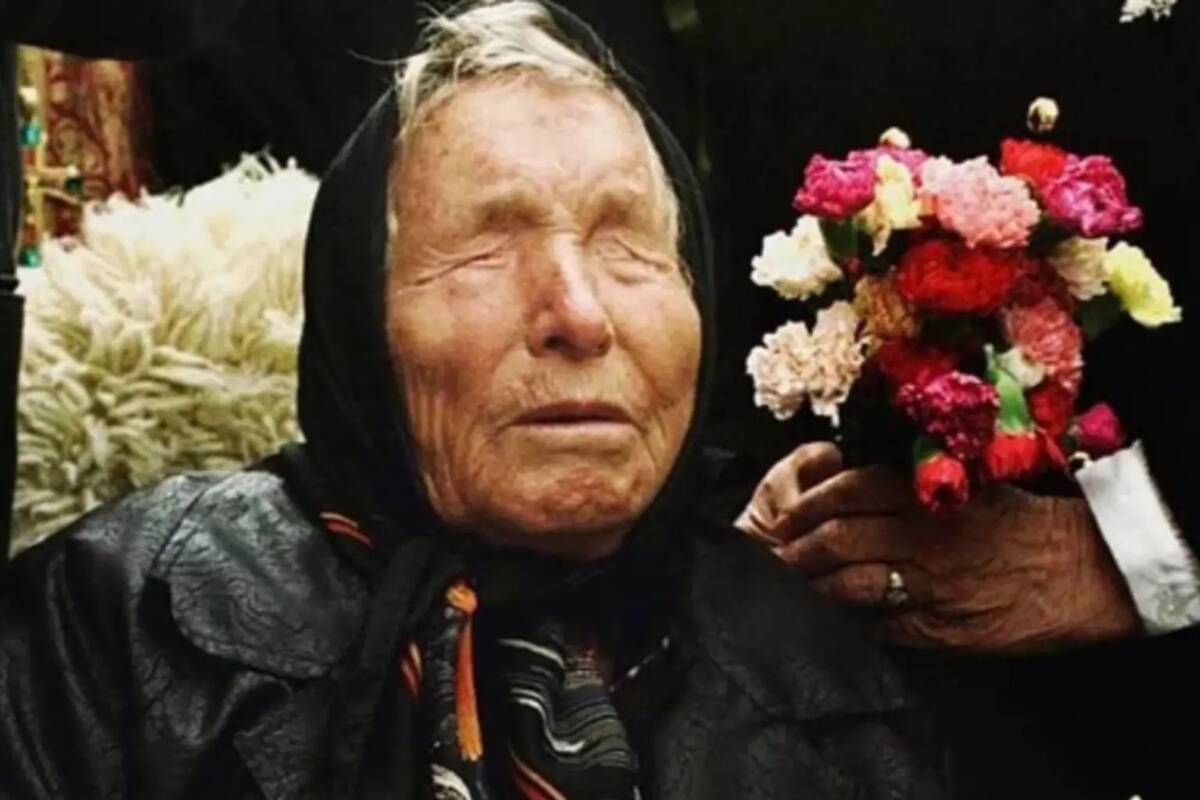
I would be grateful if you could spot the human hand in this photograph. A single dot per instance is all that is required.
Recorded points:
(1011, 572)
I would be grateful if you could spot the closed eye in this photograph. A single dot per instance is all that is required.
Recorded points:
(630, 260)
(479, 260)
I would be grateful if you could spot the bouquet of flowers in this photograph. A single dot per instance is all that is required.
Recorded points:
(953, 299)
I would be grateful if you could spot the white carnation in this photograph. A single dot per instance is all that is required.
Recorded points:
(1080, 263)
(796, 265)
(794, 366)
(1135, 9)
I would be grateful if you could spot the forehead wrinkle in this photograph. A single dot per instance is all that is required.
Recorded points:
(514, 182)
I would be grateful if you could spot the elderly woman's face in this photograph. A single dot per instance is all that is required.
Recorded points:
(545, 334)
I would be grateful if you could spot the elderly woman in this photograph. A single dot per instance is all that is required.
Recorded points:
(483, 574)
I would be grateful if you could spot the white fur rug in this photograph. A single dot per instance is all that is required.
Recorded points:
(164, 340)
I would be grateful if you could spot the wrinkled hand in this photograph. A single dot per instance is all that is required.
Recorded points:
(1012, 572)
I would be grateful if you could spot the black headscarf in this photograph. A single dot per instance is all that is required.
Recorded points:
(357, 469)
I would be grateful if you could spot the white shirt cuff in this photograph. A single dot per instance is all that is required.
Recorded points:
(1146, 544)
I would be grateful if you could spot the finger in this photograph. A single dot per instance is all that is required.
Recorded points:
(926, 629)
(815, 463)
(856, 585)
(753, 523)
(851, 540)
(862, 492)
(779, 492)
(916, 630)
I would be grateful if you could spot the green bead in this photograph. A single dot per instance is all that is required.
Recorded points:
(74, 186)
(30, 256)
(31, 134)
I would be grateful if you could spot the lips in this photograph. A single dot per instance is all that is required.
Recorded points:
(574, 413)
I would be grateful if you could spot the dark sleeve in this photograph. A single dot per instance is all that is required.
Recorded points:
(60, 678)
(1145, 375)
(69, 704)
(116, 28)
(728, 481)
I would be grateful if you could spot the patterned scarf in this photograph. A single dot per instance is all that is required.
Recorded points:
(558, 735)
(562, 736)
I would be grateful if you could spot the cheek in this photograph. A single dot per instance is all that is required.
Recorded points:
(446, 341)
(667, 353)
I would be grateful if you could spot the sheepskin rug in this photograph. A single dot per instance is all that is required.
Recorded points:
(163, 340)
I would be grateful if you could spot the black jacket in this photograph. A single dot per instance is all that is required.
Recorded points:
(180, 644)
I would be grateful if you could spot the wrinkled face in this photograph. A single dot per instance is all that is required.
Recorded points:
(539, 317)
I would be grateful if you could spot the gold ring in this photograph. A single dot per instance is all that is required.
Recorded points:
(896, 594)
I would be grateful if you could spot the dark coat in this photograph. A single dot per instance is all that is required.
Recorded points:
(181, 644)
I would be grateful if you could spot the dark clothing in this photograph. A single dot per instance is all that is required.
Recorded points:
(186, 642)
(113, 29)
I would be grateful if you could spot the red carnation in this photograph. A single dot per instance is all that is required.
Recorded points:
(951, 278)
(1012, 457)
(942, 483)
(1037, 162)
(1047, 334)
(1099, 431)
(1037, 280)
(1050, 405)
(903, 362)
(957, 410)
(1054, 455)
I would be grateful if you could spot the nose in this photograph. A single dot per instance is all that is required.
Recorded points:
(569, 317)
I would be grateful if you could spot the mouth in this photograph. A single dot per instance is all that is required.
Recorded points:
(575, 413)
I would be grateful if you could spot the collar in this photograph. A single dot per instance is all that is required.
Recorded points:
(253, 580)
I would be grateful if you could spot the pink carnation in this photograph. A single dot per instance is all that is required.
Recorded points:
(1046, 334)
(978, 203)
(843, 188)
(1099, 431)
(1089, 199)
(836, 188)
(959, 410)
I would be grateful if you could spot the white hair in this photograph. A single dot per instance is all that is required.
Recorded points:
(487, 38)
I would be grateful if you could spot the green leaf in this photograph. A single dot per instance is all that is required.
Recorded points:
(1014, 411)
(924, 449)
(841, 237)
(1098, 315)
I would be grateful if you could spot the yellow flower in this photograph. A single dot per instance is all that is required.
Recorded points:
(895, 207)
(1142, 291)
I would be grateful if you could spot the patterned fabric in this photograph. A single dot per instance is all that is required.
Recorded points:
(563, 737)
(566, 739)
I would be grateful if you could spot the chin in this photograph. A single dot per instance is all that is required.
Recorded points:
(579, 517)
